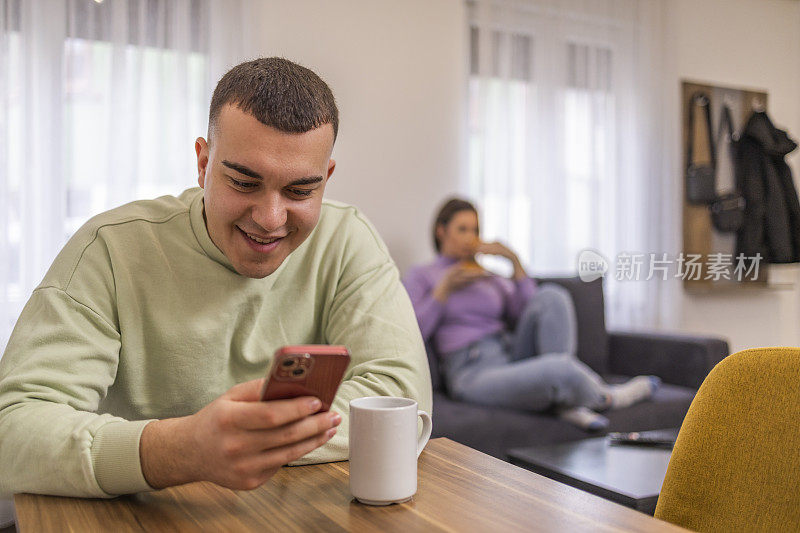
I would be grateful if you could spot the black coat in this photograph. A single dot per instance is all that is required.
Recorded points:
(772, 213)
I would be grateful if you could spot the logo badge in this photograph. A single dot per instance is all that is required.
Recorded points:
(591, 265)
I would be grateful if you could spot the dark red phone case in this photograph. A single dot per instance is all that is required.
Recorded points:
(306, 370)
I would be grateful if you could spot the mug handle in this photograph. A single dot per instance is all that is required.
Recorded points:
(426, 431)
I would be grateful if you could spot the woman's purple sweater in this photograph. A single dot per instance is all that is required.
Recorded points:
(471, 313)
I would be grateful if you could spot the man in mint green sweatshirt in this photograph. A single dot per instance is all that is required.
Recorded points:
(137, 362)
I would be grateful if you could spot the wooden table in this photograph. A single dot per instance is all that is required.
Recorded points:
(629, 475)
(460, 489)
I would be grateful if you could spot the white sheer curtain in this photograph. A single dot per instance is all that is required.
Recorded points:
(100, 103)
(565, 137)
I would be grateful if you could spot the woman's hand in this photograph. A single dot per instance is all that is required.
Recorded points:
(498, 248)
(456, 277)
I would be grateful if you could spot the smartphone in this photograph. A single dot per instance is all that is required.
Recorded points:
(306, 370)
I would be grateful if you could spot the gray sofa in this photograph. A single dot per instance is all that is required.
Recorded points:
(681, 361)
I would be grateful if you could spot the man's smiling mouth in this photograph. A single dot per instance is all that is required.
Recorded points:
(263, 241)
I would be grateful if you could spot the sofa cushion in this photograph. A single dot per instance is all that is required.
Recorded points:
(590, 315)
(494, 430)
(666, 409)
(437, 381)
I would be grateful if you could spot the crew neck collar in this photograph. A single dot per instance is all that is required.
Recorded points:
(201, 233)
(444, 260)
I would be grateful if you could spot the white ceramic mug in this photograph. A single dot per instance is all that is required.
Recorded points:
(384, 448)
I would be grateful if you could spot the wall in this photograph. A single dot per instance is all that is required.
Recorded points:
(749, 43)
(397, 70)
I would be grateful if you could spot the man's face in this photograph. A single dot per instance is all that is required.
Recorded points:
(262, 188)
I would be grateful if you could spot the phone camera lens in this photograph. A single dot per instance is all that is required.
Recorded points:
(298, 372)
(287, 363)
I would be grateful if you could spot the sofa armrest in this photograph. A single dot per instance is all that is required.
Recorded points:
(679, 359)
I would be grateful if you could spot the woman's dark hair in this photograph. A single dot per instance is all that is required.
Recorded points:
(446, 214)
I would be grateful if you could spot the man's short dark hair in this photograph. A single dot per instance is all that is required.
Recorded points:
(278, 93)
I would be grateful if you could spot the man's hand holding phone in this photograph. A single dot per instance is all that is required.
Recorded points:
(239, 441)
(236, 441)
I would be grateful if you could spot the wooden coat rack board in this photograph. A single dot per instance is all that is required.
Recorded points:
(699, 234)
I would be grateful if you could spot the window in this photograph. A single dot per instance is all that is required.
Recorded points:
(558, 160)
(588, 142)
(101, 104)
(498, 133)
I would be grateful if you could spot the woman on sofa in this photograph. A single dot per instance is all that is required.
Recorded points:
(506, 342)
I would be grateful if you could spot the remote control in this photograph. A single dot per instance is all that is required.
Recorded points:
(654, 439)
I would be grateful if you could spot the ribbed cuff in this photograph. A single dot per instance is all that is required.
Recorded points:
(115, 457)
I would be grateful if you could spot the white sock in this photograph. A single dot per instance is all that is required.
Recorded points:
(584, 418)
(633, 391)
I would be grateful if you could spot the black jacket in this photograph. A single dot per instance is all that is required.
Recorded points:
(772, 213)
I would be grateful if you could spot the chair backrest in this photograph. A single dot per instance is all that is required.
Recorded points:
(736, 463)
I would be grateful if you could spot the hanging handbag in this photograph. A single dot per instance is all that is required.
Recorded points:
(727, 210)
(700, 178)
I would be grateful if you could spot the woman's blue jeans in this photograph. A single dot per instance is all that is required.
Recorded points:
(534, 368)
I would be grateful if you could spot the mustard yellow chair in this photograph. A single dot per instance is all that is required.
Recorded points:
(736, 464)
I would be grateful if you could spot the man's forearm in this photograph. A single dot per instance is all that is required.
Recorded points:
(167, 454)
